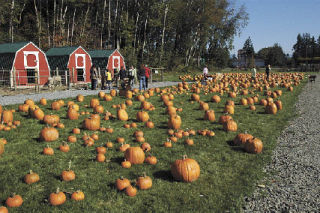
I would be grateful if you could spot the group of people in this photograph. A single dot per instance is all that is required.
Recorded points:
(120, 76)
(267, 70)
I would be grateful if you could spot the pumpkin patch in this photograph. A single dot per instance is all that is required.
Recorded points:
(186, 138)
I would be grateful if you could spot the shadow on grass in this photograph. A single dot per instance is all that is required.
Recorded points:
(234, 147)
(164, 175)
(117, 159)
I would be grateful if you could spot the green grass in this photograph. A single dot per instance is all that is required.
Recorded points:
(227, 172)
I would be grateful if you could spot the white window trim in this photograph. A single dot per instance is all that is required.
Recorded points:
(83, 56)
(35, 53)
(113, 59)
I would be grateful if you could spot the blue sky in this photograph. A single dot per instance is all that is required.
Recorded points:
(278, 21)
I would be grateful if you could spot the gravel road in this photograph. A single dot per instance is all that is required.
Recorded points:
(295, 187)
(18, 99)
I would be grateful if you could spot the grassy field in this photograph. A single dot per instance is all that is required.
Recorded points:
(227, 172)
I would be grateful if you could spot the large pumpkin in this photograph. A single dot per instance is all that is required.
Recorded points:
(51, 119)
(135, 155)
(174, 122)
(278, 104)
(91, 124)
(241, 139)
(209, 115)
(7, 116)
(230, 126)
(94, 102)
(185, 169)
(142, 116)
(216, 99)
(38, 114)
(271, 108)
(72, 114)
(122, 115)
(49, 134)
(229, 109)
(253, 145)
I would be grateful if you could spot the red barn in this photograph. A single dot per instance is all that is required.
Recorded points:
(112, 59)
(27, 61)
(74, 59)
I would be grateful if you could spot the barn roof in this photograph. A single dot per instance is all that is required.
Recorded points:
(60, 62)
(61, 51)
(8, 53)
(12, 47)
(100, 53)
(100, 57)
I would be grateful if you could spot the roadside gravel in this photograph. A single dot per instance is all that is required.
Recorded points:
(18, 99)
(295, 187)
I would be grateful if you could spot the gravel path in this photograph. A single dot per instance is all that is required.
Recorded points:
(295, 187)
(18, 99)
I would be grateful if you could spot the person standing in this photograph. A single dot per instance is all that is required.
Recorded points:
(116, 76)
(108, 79)
(142, 78)
(103, 78)
(132, 76)
(148, 72)
(205, 72)
(123, 73)
(94, 77)
(253, 73)
(268, 69)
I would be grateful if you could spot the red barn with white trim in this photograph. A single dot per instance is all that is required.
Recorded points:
(27, 59)
(74, 59)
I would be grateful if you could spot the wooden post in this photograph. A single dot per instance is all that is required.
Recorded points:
(151, 75)
(14, 78)
(161, 74)
(36, 80)
(66, 77)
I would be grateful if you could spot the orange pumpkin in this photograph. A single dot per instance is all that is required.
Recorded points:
(174, 122)
(14, 201)
(135, 155)
(57, 198)
(49, 134)
(186, 169)
(254, 145)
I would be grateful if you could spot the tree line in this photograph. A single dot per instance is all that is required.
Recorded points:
(169, 33)
(305, 50)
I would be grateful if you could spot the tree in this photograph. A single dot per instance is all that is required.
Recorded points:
(249, 52)
(273, 55)
(158, 32)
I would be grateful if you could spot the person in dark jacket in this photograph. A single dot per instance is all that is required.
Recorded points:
(268, 69)
(142, 78)
(94, 77)
(123, 73)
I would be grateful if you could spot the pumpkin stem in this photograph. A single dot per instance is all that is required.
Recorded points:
(30, 171)
(58, 190)
(184, 157)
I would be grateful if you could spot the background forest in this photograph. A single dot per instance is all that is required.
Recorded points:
(169, 33)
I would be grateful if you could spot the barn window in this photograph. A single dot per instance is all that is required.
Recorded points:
(31, 76)
(80, 75)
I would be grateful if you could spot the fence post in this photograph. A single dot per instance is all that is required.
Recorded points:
(151, 75)
(161, 75)
(36, 80)
(66, 77)
(14, 78)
